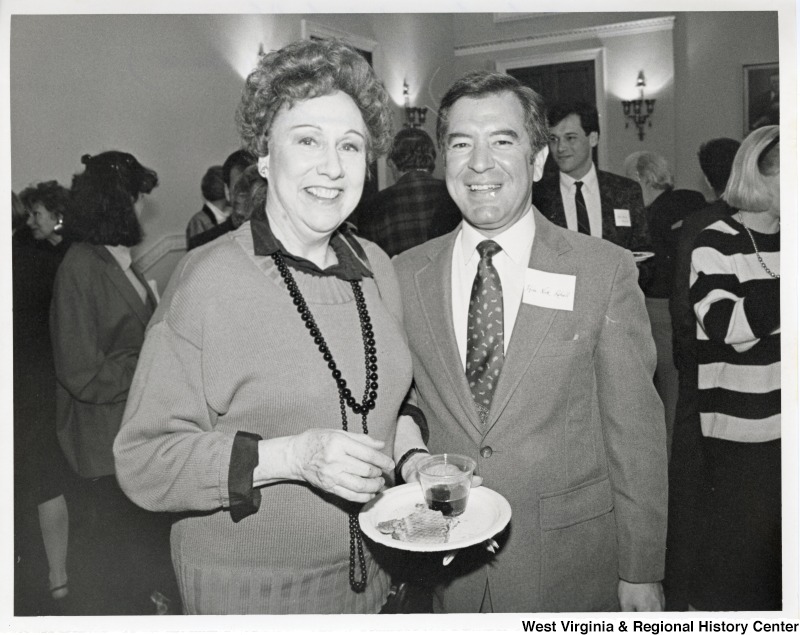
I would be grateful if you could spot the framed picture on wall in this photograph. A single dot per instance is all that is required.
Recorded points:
(761, 96)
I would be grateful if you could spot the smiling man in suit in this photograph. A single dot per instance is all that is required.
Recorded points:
(581, 197)
(532, 354)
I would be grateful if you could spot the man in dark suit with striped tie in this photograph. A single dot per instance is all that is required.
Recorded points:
(581, 197)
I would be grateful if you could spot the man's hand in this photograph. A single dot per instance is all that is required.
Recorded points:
(646, 596)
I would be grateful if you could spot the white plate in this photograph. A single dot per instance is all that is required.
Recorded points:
(639, 256)
(486, 515)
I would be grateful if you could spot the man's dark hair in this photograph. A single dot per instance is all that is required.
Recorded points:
(413, 149)
(587, 113)
(716, 158)
(236, 160)
(477, 84)
(213, 184)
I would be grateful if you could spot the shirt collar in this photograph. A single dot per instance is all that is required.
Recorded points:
(515, 240)
(218, 213)
(352, 264)
(121, 254)
(589, 180)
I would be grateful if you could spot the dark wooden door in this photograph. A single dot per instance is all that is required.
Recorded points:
(568, 81)
(559, 82)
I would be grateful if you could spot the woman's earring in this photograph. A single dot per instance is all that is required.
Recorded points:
(59, 225)
(263, 166)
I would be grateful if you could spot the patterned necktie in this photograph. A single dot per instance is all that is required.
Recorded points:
(485, 330)
(580, 209)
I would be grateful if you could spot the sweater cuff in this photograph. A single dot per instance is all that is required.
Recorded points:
(762, 307)
(244, 499)
(419, 418)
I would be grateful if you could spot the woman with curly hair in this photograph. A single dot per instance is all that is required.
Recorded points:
(269, 400)
(100, 309)
(39, 464)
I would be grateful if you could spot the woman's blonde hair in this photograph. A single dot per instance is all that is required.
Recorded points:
(757, 158)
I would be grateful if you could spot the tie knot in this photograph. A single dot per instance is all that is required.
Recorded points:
(488, 248)
(578, 185)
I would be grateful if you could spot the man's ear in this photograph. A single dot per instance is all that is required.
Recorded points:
(539, 161)
(594, 137)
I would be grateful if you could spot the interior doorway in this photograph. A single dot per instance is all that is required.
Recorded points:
(569, 81)
(574, 75)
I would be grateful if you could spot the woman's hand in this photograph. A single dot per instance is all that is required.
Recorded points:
(347, 464)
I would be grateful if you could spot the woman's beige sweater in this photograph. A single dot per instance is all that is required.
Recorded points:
(227, 352)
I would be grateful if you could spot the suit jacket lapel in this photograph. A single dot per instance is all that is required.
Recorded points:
(434, 289)
(118, 278)
(607, 209)
(532, 322)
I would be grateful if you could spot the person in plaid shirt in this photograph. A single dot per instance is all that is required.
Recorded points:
(417, 207)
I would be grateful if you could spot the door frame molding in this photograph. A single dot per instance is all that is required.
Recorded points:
(596, 55)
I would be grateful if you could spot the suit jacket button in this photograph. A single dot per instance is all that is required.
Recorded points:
(486, 452)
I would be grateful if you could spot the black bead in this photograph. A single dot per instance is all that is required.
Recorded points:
(339, 382)
(346, 392)
(351, 401)
(373, 395)
(297, 301)
(371, 341)
(327, 356)
(370, 404)
(373, 376)
(373, 385)
(337, 374)
(372, 359)
(318, 340)
(373, 367)
(332, 365)
(314, 331)
(371, 350)
(356, 408)
(322, 347)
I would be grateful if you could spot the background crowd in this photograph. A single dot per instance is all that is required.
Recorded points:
(97, 350)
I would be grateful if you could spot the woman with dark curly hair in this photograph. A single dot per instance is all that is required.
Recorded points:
(269, 400)
(100, 309)
(39, 464)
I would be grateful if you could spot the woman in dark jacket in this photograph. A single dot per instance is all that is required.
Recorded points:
(101, 307)
(39, 465)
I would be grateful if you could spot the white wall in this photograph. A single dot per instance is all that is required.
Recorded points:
(165, 88)
(710, 50)
(694, 72)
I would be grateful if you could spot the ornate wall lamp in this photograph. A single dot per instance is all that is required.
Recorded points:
(415, 117)
(638, 111)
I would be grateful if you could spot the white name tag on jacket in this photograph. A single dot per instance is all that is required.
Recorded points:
(622, 217)
(549, 290)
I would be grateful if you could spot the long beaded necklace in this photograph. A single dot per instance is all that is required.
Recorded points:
(758, 255)
(345, 394)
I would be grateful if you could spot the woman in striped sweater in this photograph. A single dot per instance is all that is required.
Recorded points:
(736, 296)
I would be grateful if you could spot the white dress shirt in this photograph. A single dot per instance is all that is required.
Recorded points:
(123, 257)
(511, 263)
(591, 194)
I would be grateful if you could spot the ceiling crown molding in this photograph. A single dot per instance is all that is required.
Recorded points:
(635, 27)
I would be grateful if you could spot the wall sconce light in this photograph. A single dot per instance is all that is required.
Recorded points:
(638, 111)
(415, 117)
